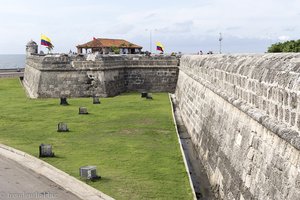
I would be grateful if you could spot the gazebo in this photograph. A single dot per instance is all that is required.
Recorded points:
(104, 46)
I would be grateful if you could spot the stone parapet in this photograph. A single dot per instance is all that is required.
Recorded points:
(265, 86)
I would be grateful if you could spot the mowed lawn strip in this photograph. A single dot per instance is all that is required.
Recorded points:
(131, 140)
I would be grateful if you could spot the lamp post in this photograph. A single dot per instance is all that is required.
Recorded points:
(150, 38)
(220, 40)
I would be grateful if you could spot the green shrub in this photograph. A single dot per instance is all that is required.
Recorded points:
(116, 50)
(288, 46)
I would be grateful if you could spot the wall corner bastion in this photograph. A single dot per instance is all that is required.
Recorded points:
(55, 75)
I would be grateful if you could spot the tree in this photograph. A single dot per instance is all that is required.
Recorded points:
(115, 49)
(288, 46)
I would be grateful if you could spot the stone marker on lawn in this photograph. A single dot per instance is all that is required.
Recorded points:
(96, 100)
(83, 111)
(46, 150)
(62, 127)
(88, 172)
(149, 96)
(144, 94)
(63, 101)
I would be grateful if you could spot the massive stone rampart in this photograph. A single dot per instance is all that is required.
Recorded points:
(98, 75)
(243, 115)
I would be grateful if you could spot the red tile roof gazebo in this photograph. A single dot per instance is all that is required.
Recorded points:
(104, 46)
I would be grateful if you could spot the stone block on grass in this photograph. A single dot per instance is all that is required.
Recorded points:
(96, 100)
(63, 101)
(149, 96)
(62, 127)
(45, 150)
(88, 173)
(83, 111)
(144, 94)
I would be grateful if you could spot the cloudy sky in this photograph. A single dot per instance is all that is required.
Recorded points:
(187, 26)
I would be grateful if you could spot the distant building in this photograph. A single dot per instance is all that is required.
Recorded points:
(105, 46)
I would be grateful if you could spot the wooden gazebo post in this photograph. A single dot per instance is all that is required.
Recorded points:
(79, 50)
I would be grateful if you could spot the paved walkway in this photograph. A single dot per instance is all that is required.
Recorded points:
(11, 73)
(17, 182)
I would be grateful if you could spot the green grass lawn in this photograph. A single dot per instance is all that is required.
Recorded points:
(131, 140)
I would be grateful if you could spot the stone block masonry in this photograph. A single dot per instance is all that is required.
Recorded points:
(98, 75)
(243, 114)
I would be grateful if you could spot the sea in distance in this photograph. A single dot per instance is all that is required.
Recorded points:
(12, 61)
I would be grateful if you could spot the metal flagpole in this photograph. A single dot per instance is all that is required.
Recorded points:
(150, 38)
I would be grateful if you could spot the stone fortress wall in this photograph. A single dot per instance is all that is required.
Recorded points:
(241, 111)
(98, 75)
(243, 115)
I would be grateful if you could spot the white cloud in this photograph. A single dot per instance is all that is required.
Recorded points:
(119, 29)
(283, 38)
(181, 27)
(195, 22)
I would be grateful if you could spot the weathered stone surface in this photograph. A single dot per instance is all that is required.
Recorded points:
(45, 150)
(241, 112)
(89, 172)
(62, 127)
(83, 111)
(96, 100)
(61, 75)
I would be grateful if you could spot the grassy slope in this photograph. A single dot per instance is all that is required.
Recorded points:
(132, 141)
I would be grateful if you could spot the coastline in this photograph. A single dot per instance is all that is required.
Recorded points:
(12, 61)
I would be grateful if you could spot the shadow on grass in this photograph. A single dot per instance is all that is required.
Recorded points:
(54, 157)
(101, 179)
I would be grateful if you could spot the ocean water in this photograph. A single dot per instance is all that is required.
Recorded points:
(8, 61)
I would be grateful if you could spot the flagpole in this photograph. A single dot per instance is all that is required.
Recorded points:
(40, 43)
(150, 41)
(150, 38)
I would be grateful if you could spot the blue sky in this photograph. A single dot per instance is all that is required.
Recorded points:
(188, 26)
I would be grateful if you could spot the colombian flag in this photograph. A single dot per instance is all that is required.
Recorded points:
(159, 47)
(45, 41)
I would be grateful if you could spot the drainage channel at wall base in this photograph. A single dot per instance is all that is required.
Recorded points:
(195, 168)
